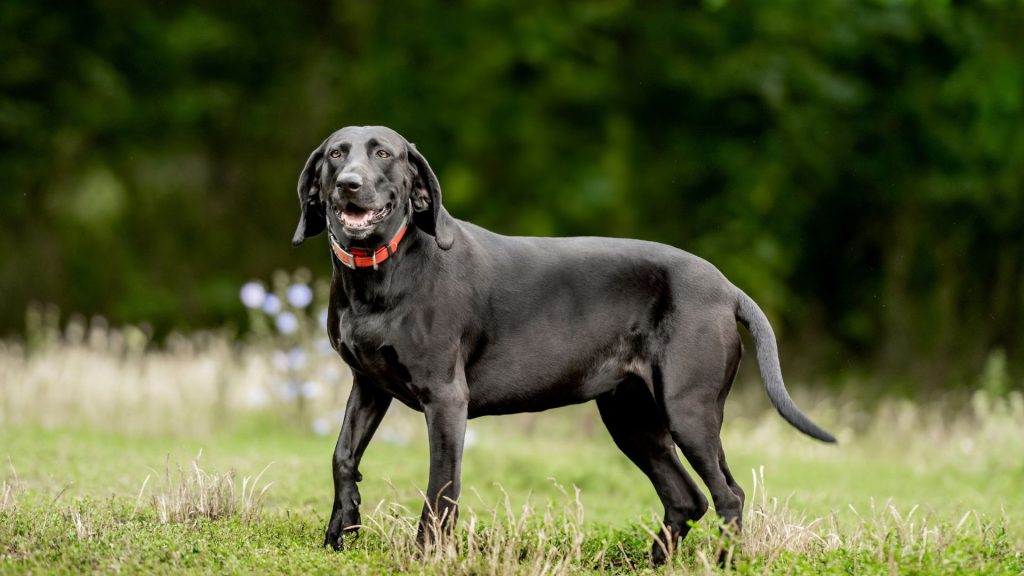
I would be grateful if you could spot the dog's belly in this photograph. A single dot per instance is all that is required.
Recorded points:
(556, 395)
(545, 358)
(525, 386)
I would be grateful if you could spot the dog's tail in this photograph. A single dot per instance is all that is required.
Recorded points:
(750, 314)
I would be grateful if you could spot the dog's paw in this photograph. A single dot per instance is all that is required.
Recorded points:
(344, 524)
(658, 556)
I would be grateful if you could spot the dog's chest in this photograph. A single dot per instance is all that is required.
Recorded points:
(366, 336)
(367, 344)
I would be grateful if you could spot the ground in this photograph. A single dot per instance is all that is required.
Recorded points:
(82, 502)
(212, 454)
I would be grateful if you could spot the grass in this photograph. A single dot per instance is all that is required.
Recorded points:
(120, 459)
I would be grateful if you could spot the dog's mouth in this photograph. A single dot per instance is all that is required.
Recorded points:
(356, 217)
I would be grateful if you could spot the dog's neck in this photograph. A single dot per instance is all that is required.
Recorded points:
(368, 257)
(392, 279)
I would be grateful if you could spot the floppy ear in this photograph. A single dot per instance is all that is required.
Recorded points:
(313, 217)
(428, 213)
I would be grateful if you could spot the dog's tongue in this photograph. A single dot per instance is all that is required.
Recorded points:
(356, 216)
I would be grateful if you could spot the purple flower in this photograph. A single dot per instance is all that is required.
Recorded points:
(272, 304)
(296, 357)
(288, 390)
(310, 389)
(299, 295)
(286, 323)
(253, 294)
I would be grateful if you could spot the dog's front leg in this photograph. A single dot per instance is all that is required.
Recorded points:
(446, 429)
(366, 407)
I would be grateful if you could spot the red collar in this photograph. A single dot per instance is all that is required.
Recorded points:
(359, 258)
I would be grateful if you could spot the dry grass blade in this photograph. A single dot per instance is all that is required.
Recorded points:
(61, 494)
(8, 495)
(501, 541)
(252, 501)
(10, 488)
(772, 528)
(138, 499)
(187, 496)
(888, 535)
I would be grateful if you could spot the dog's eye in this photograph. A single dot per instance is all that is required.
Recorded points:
(383, 154)
(335, 153)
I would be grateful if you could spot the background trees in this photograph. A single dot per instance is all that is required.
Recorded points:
(857, 167)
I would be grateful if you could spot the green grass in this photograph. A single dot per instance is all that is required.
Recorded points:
(92, 438)
(79, 504)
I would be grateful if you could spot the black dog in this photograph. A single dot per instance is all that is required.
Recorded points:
(457, 322)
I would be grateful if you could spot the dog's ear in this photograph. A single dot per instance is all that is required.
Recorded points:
(428, 213)
(312, 216)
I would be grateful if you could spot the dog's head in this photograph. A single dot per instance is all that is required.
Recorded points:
(362, 181)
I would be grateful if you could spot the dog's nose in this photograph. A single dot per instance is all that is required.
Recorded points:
(350, 181)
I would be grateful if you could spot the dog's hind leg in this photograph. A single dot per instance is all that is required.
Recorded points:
(730, 379)
(696, 378)
(638, 427)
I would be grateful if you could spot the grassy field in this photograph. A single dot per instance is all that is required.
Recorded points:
(197, 458)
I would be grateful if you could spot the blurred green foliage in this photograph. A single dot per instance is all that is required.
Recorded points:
(857, 167)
